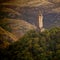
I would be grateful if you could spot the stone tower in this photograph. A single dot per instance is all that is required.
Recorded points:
(40, 22)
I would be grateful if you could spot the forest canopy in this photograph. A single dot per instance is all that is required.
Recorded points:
(33, 46)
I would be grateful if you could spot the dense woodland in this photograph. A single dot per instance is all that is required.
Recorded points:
(33, 46)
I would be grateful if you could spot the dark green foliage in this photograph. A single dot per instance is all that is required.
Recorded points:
(35, 46)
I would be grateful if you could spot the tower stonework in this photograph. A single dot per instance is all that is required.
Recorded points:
(40, 22)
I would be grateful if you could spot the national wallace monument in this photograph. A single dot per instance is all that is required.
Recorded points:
(19, 16)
